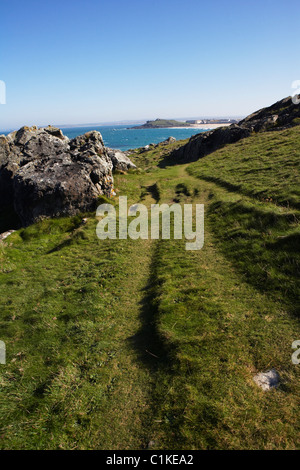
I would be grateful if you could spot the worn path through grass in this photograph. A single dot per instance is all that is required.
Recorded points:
(220, 325)
(70, 310)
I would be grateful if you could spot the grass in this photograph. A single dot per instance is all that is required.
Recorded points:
(65, 317)
(262, 166)
(151, 160)
(221, 333)
(113, 344)
(254, 209)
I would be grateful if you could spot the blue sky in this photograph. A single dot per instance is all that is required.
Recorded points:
(86, 61)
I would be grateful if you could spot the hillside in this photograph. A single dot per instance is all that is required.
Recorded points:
(161, 123)
(136, 344)
(281, 115)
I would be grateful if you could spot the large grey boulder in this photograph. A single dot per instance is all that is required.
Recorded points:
(202, 144)
(9, 164)
(44, 174)
(119, 160)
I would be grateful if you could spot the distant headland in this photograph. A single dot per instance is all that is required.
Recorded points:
(161, 123)
(167, 123)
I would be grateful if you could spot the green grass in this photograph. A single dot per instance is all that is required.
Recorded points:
(265, 166)
(254, 209)
(66, 317)
(113, 344)
(150, 160)
(220, 333)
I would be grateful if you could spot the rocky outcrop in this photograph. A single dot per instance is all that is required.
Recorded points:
(5, 235)
(169, 140)
(120, 160)
(280, 115)
(207, 142)
(44, 174)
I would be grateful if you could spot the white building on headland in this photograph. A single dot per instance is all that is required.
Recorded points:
(211, 121)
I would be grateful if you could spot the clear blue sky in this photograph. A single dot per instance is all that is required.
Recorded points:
(85, 61)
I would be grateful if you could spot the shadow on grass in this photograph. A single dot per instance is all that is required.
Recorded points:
(154, 192)
(75, 238)
(175, 158)
(154, 352)
(238, 188)
(289, 243)
(152, 349)
(62, 245)
(259, 245)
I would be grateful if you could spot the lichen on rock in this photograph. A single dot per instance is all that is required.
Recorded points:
(44, 174)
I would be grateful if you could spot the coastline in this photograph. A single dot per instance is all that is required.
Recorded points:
(207, 127)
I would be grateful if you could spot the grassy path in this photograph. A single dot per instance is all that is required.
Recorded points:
(71, 308)
(219, 328)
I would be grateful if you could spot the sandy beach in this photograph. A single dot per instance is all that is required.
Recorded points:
(202, 126)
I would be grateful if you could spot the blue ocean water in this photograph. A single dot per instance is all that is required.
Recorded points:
(125, 138)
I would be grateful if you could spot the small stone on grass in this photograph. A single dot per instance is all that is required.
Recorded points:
(267, 380)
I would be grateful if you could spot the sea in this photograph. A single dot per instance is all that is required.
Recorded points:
(125, 137)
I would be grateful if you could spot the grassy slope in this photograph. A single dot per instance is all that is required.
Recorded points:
(254, 209)
(114, 344)
(265, 166)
